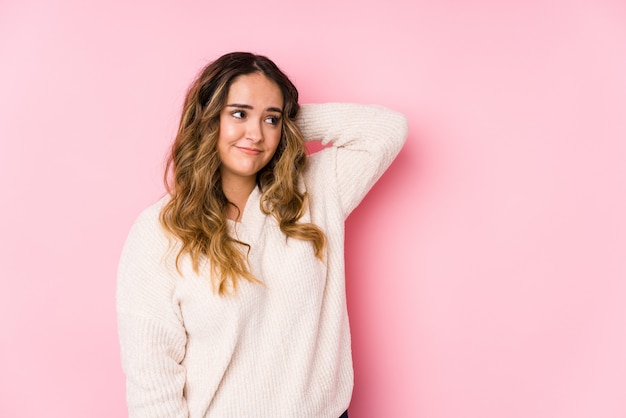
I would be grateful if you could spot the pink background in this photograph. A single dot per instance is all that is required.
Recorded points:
(486, 270)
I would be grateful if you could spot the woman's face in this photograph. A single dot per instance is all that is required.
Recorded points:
(250, 127)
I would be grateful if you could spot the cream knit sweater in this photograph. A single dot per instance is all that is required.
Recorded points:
(279, 350)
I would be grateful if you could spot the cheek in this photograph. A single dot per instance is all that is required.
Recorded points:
(274, 139)
(228, 131)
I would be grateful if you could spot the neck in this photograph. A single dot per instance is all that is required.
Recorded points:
(237, 192)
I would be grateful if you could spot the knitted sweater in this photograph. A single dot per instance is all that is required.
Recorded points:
(281, 349)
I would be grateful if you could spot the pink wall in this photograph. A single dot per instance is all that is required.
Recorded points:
(486, 270)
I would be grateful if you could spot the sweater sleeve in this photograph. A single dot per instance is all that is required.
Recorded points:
(151, 333)
(365, 139)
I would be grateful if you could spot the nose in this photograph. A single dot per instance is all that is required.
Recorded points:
(254, 132)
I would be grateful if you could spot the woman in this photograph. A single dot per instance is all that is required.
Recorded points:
(231, 299)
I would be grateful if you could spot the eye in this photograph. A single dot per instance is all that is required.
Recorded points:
(238, 114)
(273, 120)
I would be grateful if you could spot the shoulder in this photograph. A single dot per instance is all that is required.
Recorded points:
(146, 276)
(148, 219)
(147, 235)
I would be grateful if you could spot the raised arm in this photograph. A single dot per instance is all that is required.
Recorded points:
(152, 337)
(365, 139)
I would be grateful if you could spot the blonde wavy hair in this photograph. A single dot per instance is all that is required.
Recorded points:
(196, 212)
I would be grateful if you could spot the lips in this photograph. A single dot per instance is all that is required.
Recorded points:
(249, 151)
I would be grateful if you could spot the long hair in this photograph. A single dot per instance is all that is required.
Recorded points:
(196, 211)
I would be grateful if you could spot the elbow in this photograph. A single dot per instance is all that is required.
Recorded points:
(403, 127)
(397, 130)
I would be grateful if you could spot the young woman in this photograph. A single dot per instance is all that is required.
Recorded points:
(231, 298)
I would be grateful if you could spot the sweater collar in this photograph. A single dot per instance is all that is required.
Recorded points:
(249, 228)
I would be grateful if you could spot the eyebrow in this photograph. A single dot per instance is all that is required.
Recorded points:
(245, 106)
